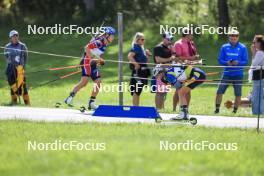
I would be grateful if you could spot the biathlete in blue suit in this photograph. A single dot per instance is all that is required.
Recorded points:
(184, 79)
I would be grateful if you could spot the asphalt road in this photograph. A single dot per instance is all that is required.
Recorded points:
(75, 116)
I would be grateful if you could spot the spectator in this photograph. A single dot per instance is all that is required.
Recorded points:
(257, 50)
(138, 57)
(231, 54)
(16, 56)
(162, 55)
(186, 50)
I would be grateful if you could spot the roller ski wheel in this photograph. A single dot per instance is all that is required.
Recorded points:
(158, 119)
(58, 105)
(193, 121)
(82, 109)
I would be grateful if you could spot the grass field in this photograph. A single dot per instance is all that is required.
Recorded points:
(47, 96)
(130, 149)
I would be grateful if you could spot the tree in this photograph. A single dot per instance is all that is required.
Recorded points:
(223, 14)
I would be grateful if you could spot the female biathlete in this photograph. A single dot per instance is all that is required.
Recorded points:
(184, 78)
(89, 62)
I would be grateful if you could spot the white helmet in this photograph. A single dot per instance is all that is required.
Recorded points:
(158, 69)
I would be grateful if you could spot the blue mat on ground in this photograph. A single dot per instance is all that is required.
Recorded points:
(126, 111)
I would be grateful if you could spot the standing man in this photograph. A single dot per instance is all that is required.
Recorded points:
(162, 55)
(186, 50)
(16, 56)
(231, 54)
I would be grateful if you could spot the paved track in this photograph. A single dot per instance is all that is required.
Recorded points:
(75, 116)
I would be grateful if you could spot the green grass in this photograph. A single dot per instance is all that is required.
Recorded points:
(131, 149)
(46, 96)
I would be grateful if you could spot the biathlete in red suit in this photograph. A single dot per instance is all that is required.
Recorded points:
(90, 59)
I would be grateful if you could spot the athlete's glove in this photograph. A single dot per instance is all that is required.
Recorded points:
(228, 104)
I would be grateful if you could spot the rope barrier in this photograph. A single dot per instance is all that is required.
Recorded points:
(128, 62)
(207, 81)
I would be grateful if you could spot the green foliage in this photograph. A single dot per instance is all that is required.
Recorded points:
(247, 15)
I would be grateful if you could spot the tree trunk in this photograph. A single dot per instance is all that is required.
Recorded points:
(89, 5)
(223, 15)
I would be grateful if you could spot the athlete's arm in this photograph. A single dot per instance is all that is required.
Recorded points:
(164, 60)
(131, 59)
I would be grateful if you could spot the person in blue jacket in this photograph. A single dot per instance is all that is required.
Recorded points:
(231, 54)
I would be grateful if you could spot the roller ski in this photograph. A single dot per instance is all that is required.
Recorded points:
(63, 105)
(91, 107)
(191, 120)
(67, 102)
(183, 118)
(82, 109)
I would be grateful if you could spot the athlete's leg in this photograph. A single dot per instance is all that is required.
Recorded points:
(96, 87)
(183, 96)
(188, 98)
(83, 82)
(95, 91)
(175, 100)
(95, 76)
